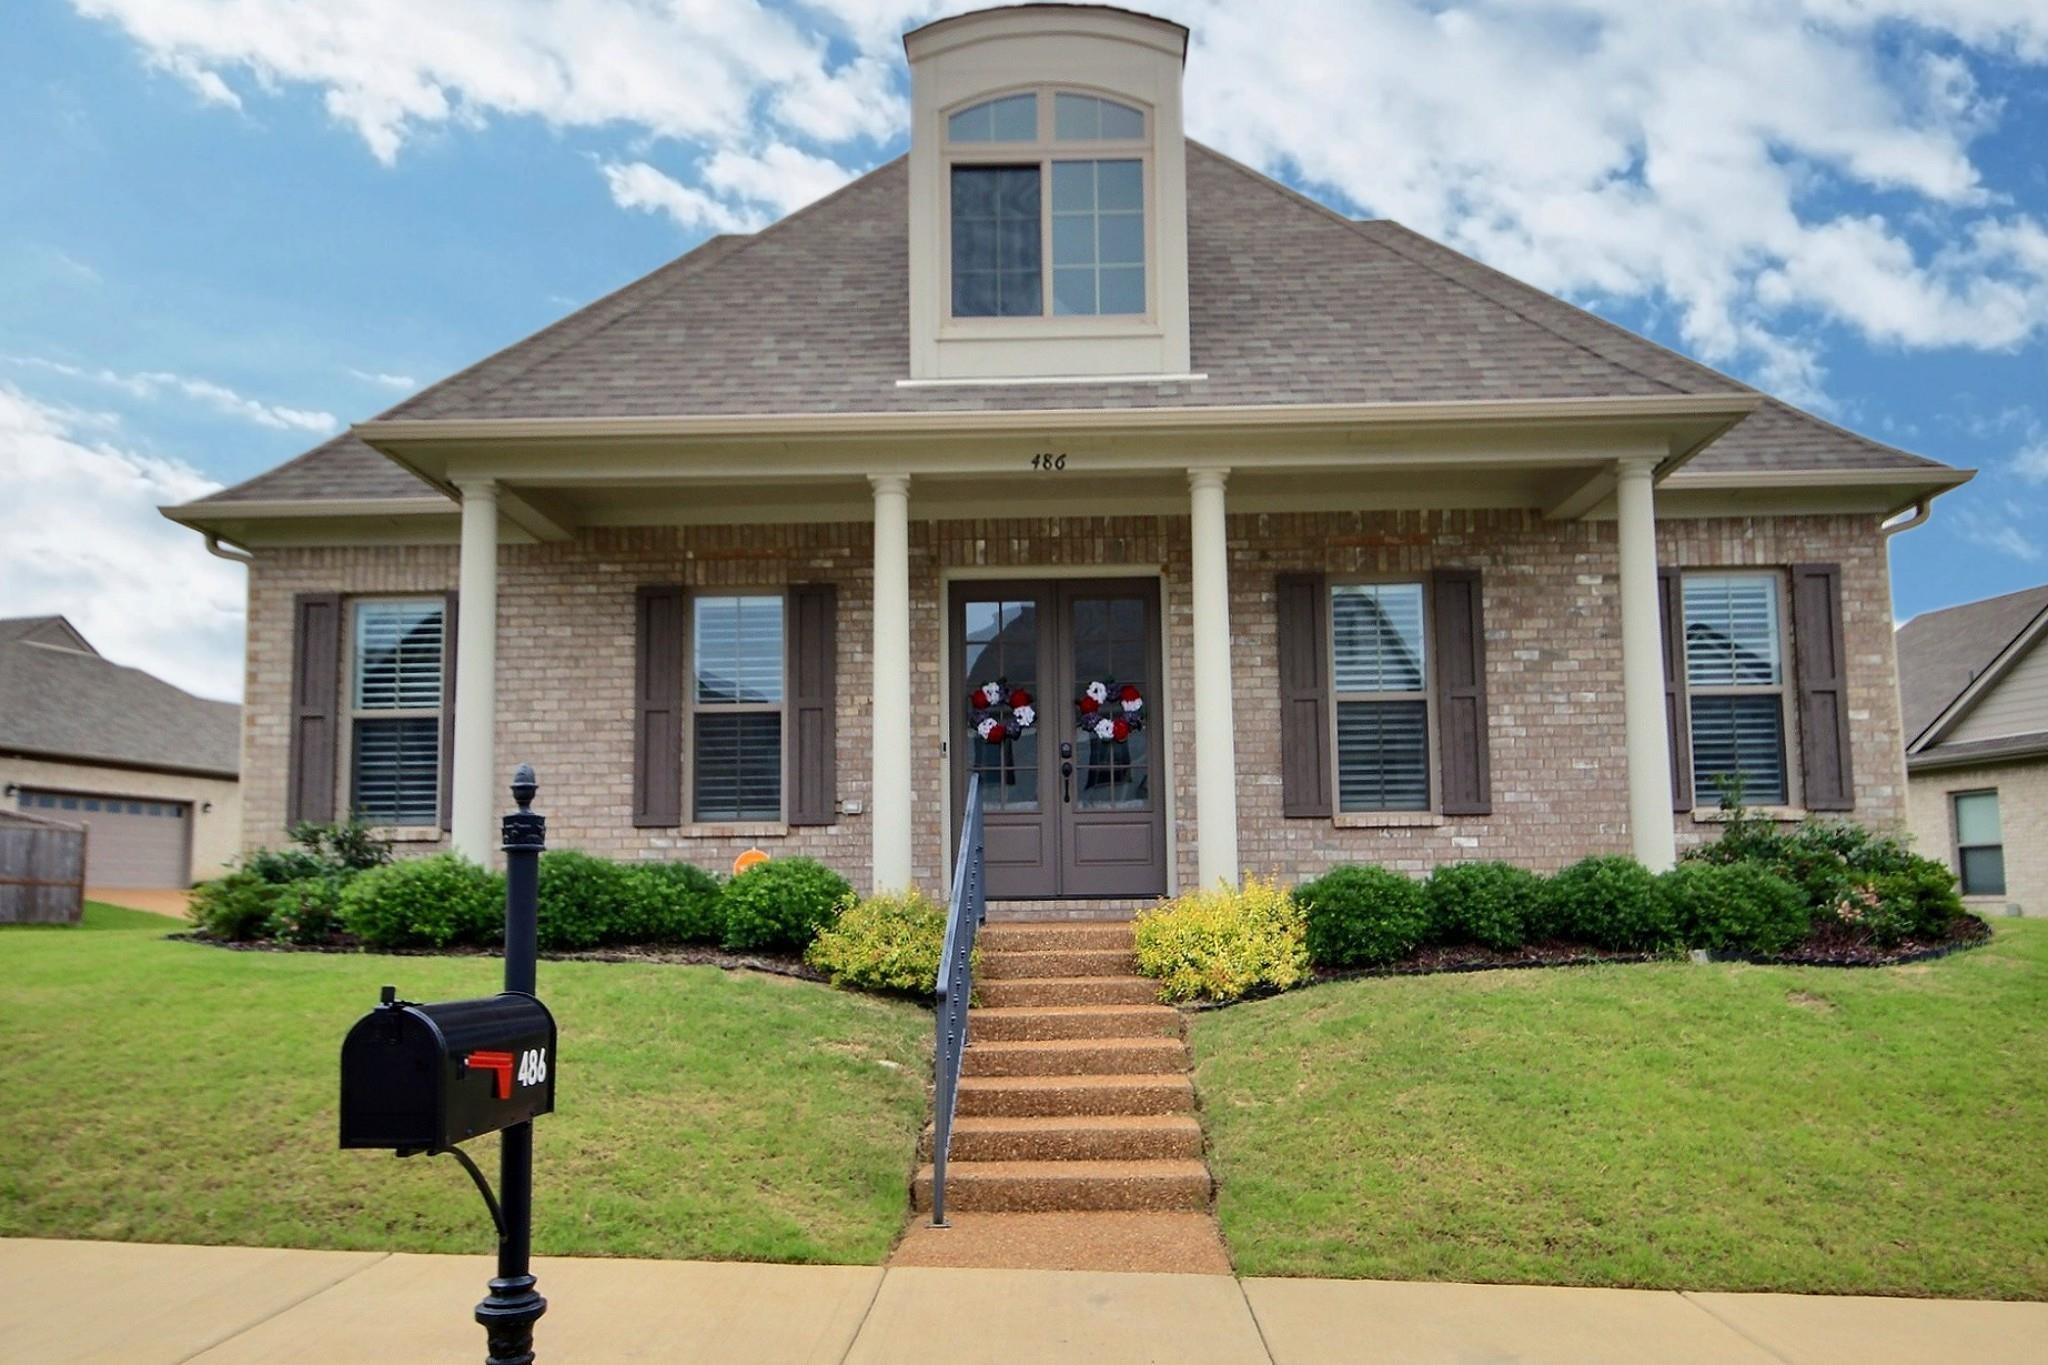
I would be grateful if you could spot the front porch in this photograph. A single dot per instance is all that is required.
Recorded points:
(1201, 515)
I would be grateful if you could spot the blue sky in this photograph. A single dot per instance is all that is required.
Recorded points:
(230, 227)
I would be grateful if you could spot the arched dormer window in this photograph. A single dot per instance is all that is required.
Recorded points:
(1047, 206)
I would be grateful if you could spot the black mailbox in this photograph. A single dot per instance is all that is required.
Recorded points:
(422, 1078)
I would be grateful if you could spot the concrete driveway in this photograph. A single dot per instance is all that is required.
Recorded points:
(163, 901)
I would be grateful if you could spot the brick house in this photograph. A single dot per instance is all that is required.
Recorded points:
(1376, 553)
(1973, 686)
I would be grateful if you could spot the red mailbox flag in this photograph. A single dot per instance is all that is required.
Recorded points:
(500, 1062)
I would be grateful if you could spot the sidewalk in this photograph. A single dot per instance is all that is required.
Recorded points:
(71, 1301)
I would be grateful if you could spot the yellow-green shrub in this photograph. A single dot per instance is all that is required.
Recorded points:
(889, 942)
(1221, 943)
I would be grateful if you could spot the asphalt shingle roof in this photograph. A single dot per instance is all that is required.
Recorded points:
(1943, 652)
(70, 703)
(1291, 304)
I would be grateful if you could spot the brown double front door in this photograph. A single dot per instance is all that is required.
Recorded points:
(1057, 706)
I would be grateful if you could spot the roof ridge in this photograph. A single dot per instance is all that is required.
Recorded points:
(1358, 228)
(726, 244)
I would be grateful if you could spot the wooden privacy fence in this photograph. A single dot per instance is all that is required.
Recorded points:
(42, 870)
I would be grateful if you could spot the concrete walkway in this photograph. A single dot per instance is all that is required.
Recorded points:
(77, 1301)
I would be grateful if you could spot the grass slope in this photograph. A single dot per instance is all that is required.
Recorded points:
(1727, 1127)
(169, 1092)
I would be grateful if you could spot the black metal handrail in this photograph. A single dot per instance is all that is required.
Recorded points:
(965, 910)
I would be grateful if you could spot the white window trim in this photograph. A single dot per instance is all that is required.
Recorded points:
(1429, 815)
(1707, 804)
(1043, 151)
(753, 825)
(345, 760)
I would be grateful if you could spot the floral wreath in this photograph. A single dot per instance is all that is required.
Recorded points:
(1109, 711)
(997, 711)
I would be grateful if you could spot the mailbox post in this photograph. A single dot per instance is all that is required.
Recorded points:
(427, 1078)
(513, 1306)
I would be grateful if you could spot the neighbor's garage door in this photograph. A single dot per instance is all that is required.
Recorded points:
(128, 843)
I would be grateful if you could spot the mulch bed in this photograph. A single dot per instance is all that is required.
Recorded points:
(775, 964)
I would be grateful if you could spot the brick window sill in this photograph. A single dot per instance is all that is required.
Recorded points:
(408, 834)
(744, 829)
(1388, 819)
(1714, 815)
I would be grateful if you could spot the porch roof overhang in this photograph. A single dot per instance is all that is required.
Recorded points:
(555, 474)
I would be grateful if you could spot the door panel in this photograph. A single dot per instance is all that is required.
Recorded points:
(1068, 812)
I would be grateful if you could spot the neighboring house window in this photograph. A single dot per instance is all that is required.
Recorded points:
(1735, 675)
(737, 694)
(1980, 844)
(395, 711)
(1020, 198)
(1381, 672)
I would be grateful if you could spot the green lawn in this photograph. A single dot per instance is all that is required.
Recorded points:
(160, 1091)
(1726, 1127)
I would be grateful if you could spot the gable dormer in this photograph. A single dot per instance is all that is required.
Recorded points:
(1048, 196)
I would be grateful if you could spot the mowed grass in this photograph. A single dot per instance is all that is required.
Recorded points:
(171, 1092)
(1704, 1127)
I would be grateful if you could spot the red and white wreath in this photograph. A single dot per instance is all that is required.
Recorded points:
(1109, 710)
(998, 711)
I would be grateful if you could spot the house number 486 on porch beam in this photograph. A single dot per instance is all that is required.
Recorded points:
(1045, 463)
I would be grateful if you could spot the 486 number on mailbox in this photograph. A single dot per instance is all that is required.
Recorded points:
(533, 1066)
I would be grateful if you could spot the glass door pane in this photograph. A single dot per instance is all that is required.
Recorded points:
(1000, 697)
(1111, 690)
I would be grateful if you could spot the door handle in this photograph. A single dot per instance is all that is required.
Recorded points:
(1066, 783)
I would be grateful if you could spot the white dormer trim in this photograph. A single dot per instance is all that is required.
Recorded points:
(1110, 54)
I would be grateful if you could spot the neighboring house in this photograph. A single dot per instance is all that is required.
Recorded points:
(1973, 687)
(1392, 549)
(149, 769)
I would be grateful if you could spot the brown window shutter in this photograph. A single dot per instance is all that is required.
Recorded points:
(1304, 696)
(1677, 712)
(813, 733)
(316, 692)
(658, 707)
(1460, 619)
(451, 617)
(1823, 682)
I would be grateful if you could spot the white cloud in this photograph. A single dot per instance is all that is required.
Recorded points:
(1760, 170)
(149, 384)
(80, 535)
(637, 185)
(1996, 531)
(401, 382)
(2031, 463)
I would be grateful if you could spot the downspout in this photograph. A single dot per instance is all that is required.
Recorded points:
(238, 555)
(1921, 511)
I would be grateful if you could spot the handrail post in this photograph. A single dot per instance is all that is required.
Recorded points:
(954, 988)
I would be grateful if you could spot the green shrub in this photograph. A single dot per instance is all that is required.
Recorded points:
(1609, 902)
(1492, 904)
(235, 907)
(424, 903)
(676, 903)
(1361, 916)
(780, 903)
(280, 866)
(348, 846)
(1734, 907)
(306, 911)
(1221, 943)
(1826, 859)
(587, 902)
(889, 942)
(1920, 899)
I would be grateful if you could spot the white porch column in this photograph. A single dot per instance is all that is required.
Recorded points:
(471, 828)
(890, 800)
(1642, 671)
(1215, 735)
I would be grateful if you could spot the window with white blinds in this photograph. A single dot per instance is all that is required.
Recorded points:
(1381, 672)
(737, 672)
(1980, 843)
(1735, 675)
(396, 665)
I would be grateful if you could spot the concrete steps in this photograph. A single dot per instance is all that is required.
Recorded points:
(1081, 1137)
(1076, 1057)
(1038, 1186)
(1075, 1096)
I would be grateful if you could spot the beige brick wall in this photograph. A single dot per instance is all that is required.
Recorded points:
(2023, 824)
(1553, 667)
